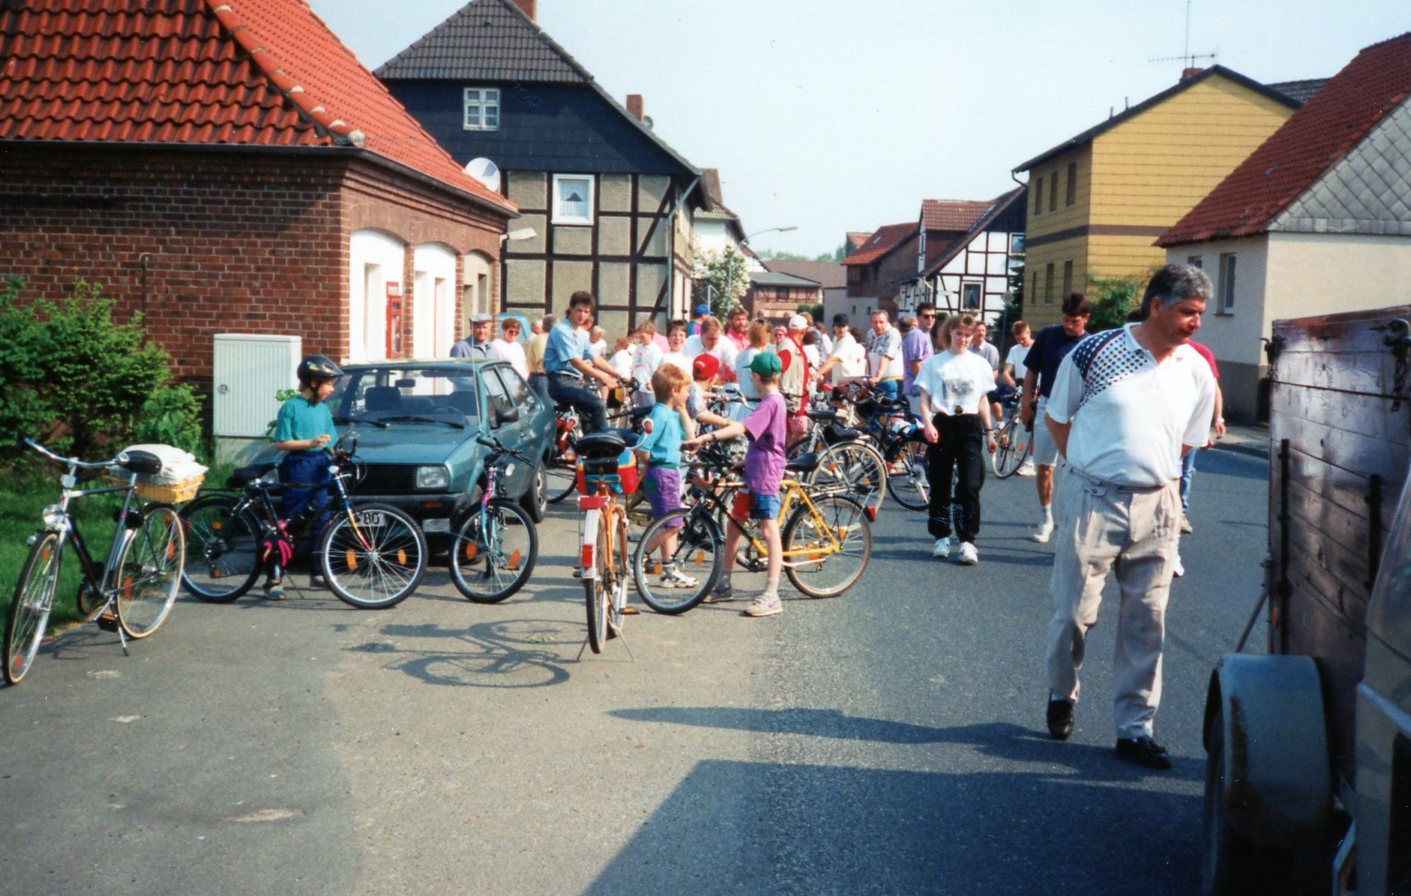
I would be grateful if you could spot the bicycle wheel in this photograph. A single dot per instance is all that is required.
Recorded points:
(376, 563)
(148, 573)
(597, 591)
(907, 482)
(856, 467)
(29, 612)
(1015, 445)
(561, 469)
(698, 556)
(493, 553)
(222, 550)
(825, 553)
(617, 566)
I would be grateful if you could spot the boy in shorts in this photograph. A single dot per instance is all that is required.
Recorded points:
(766, 429)
(660, 450)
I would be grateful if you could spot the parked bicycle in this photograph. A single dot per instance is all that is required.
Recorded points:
(607, 469)
(494, 548)
(826, 537)
(371, 555)
(1015, 441)
(561, 467)
(133, 591)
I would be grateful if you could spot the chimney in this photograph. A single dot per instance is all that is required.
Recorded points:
(634, 105)
(527, 7)
(1190, 72)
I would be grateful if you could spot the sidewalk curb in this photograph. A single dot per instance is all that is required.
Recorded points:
(1252, 449)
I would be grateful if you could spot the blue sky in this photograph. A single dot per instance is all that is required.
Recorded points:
(832, 116)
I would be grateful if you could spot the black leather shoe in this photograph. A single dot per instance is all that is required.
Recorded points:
(1060, 718)
(1143, 751)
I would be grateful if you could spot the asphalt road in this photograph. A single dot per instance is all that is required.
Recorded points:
(888, 741)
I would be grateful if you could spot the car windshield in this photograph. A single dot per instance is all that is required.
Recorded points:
(446, 396)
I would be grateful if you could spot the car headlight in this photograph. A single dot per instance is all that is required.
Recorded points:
(432, 477)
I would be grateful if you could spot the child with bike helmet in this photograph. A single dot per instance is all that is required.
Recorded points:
(304, 430)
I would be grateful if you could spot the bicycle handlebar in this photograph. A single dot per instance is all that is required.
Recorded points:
(26, 441)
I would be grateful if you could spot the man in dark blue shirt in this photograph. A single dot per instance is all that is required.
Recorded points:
(1050, 347)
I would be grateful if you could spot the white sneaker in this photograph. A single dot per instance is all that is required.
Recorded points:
(1186, 527)
(941, 549)
(675, 578)
(968, 555)
(1043, 532)
(1178, 569)
(765, 605)
(1026, 468)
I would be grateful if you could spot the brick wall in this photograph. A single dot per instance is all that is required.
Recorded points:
(205, 242)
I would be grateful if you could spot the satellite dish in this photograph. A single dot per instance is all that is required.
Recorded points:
(485, 171)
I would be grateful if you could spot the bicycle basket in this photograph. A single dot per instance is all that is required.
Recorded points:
(177, 480)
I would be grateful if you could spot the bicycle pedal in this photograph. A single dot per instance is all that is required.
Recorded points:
(108, 622)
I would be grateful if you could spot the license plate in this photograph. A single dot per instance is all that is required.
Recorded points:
(443, 525)
(372, 518)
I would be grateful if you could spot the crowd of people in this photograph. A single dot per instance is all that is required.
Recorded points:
(1124, 410)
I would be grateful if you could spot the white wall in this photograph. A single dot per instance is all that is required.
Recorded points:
(1235, 336)
(375, 260)
(433, 284)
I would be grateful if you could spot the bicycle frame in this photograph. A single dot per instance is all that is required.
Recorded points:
(713, 495)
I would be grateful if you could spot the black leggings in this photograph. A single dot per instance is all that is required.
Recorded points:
(961, 446)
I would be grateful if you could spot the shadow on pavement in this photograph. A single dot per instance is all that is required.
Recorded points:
(522, 653)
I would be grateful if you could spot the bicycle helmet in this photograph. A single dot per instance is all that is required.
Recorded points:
(317, 367)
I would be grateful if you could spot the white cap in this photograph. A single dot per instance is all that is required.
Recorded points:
(797, 322)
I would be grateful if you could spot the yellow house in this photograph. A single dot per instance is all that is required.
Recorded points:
(1098, 201)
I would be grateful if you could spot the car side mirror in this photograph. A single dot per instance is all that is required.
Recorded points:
(505, 416)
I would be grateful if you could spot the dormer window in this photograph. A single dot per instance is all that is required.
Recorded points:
(482, 109)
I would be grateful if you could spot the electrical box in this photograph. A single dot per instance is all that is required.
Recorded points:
(248, 372)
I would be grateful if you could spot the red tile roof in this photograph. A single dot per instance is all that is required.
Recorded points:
(883, 241)
(1310, 142)
(952, 214)
(202, 72)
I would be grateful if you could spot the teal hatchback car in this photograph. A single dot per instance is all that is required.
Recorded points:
(417, 423)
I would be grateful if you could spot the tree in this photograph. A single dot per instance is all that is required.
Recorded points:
(1111, 299)
(721, 279)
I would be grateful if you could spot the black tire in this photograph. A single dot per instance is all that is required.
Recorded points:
(1016, 444)
(907, 483)
(489, 567)
(222, 550)
(29, 611)
(597, 591)
(560, 476)
(377, 564)
(826, 563)
(699, 555)
(856, 466)
(1231, 864)
(148, 572)
(536, 500)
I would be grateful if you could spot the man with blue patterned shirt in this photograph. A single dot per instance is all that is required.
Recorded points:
(1126, 405)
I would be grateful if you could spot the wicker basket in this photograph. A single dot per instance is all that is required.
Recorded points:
(165, 492)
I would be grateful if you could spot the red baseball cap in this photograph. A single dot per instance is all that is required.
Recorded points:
(705, 367)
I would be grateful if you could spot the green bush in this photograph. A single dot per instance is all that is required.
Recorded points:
(1111, 299)
(76, 379)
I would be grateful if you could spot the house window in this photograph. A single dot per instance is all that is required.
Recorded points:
(1016, 244)
(1067, 277)
(482, 109)
(1048, 283)
(1195, 261)
(1226, 288)
(1071, 196)
(970, 296)
(1038, 196)
(1053, 190)
(573, 199)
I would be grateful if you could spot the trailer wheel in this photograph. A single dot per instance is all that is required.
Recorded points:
(1232, 865)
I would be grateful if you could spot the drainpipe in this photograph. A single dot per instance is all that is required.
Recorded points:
(671, 245)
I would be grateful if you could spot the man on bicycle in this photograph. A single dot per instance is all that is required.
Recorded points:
(569, 362)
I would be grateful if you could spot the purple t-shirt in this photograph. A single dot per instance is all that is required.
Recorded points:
(767, 430)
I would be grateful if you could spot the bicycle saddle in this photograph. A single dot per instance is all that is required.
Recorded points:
(821, 414)
(803, 463)
(140, 462)
(249, 473)
(606, 444)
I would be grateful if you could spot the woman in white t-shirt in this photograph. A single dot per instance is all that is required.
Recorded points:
(956, 417)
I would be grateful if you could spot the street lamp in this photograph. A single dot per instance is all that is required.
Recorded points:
(730, 268)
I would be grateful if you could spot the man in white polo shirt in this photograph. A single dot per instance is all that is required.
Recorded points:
(1126, 404)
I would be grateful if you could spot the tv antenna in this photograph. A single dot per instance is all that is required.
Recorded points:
(1187, 56)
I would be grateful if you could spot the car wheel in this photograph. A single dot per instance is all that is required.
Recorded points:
(536, 499)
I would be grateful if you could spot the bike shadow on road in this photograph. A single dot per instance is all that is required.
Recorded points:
(517, 653)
